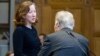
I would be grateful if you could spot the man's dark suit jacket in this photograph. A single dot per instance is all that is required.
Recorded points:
(61, 43)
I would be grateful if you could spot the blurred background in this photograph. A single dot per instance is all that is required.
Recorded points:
(86, 14)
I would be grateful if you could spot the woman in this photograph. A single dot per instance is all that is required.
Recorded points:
(25, 38)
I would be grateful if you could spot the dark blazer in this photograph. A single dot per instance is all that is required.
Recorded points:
(25, 41)
(61, 43)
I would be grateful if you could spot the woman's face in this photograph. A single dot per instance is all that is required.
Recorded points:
(31, 15)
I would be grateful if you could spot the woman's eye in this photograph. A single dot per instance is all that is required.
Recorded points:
(30, 11)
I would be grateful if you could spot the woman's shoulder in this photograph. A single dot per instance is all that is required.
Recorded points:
(19, 29)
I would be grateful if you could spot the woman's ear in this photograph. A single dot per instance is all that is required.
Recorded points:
(23, 17)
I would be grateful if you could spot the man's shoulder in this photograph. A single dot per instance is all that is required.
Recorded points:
(80, 37)
(56, 33)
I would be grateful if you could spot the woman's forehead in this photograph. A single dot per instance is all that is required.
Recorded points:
(32, 7)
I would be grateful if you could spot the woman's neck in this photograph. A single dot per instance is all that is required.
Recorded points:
(29, 26)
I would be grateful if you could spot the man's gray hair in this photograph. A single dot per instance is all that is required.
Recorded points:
(65, 19)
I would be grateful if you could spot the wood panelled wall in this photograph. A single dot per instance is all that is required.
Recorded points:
(86, 14)
(50, 7)
(96, 37)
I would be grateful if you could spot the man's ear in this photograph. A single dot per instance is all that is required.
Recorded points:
(56, 27)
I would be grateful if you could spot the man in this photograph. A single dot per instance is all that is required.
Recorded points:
(64, 42)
